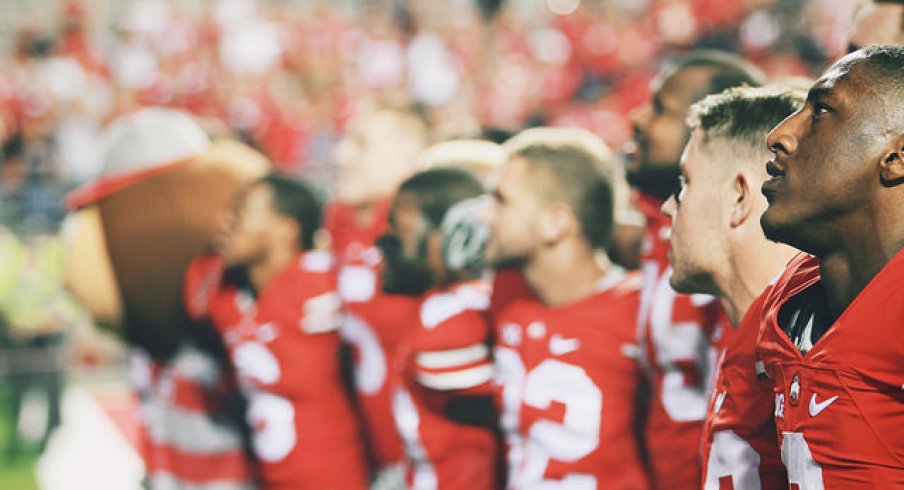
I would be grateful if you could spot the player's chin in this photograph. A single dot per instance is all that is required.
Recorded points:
(684, 282)
(774, 227)
(677, 281)
(491, 253)
(500, 260)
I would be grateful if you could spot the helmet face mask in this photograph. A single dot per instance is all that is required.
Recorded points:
(465, 234)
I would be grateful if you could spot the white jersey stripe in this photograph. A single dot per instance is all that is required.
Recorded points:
(465, 378)
(445, 359)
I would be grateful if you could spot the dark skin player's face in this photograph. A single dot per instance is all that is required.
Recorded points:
(660, 132)
(248, 230)
(821, 174)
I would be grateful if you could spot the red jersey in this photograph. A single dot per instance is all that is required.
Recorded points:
(447, 355)
(283, 345)
(375, 324)
(190, 438)
(839, 408)
(569, 383)
(680, 337)
(740, 450)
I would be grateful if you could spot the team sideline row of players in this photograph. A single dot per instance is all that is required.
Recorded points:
(529, 377)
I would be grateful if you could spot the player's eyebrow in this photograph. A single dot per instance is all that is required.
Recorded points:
(819, 90)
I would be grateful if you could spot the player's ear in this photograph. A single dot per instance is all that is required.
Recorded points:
(891, 165)
(555, 221)
(742, 195)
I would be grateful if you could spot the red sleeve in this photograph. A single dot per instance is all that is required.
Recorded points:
(618, 380)
(450, 350)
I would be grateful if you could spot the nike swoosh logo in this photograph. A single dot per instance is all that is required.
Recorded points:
(817, 408)
(559, 346)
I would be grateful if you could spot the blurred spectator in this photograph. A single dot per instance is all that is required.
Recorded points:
(286, 78)
(29, 198)
(877, 23)
(35, 313)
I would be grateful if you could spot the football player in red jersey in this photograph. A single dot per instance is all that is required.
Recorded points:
(831, 329)
(377, 152)
(274, 302)
(679, 334)
(718, 248)
(433, 251)
(565, 364)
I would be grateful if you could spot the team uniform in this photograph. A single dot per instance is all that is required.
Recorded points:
(680, 338)
(374, 324)
(447, 356)
(568, 382)
(283, 345)
(740, 450)
(838, 385)
(190, 437)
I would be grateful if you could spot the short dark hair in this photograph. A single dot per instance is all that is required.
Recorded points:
(297, 200)
(886, 63)
(576, 176)
(438, 189)
(727, 70)
(744, 114)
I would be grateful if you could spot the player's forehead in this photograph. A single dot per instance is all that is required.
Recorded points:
(840, 77)
(694, 151)
(513, 174)
(682, 87)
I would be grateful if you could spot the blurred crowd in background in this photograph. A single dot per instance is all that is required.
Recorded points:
(285, 75)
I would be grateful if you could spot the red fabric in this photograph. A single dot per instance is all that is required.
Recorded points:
(454, 455)
(857, 440)
(680, 336)
(185, 434)
(305, 433)
(193, 468)
(740, 412)
(97, 190)
(375, 324)
(346, 233)
(569, 387)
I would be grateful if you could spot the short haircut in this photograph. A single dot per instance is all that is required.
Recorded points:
(744, 115)
(478, 156)
(438, 189)
(727, 70)
(296, 200)
(577, 171)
